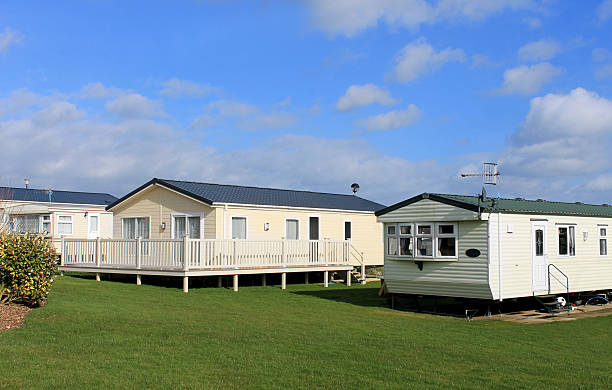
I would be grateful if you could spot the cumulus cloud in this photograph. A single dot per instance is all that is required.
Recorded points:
(8, 38)
(419, 58)
(231, 108)
(533, 22)
(601, 54)
(391, 120)
(134, 105)
(57, 112)
(363, 95)
(176, 88)
(98, 90)
(350, 17)
(604, 11)
(527, 80)
(243, 116)
(539, 51)
(604, 71)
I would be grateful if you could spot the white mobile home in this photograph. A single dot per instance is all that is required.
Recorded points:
(495, 249)
(56, 214)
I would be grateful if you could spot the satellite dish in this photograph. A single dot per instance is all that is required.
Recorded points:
(355, 187)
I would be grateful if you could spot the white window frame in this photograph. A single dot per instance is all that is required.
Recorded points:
(59, 216)
(299, 232)
(50, 232)
(344, 230)
(187, 215)
(446, 235)
(414, 235)
(246, 226)
(319, 227)
(135, 226)
(600, 237)
(89, 215)
(564, 225)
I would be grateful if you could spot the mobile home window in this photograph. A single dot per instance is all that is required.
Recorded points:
(186, 226)
(447, 241)
(603, 241)
(239, 228)
(405, 240)
(46, 224)
(64, 224)
(292, 229)
(348, 230)
(135, 227)
(424, 241)
(567, 240)
(27, 224)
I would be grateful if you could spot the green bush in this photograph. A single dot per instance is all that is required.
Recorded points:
(28, 264)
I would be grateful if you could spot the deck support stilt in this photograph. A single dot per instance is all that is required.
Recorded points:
(326, 279)
(348, 278)
(185, 283)
(235, 282)
(305, 277)
(97, 277)
(138, 280)
(62, 273)
(283, 280)
(263, 280)
(219, 281)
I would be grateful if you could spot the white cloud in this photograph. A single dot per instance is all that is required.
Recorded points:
(604, 11)
(134, 105)
(526, 80)
(539, 51)
(175, 88)
(269, 121)
(57, 112)
(419, 58)
(231, 108)
(350, 17)
(391, 120)
(601, 54)
(604, 71)
(97, 90)
(242, 115)
(20, 100)
(9, 38)
(533, 22)
(363, 95)
(315, 109)
(284, 102)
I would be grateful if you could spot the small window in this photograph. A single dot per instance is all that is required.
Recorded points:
(64, 225)
(424, 229)
(313, 228)
(391, 230)
(603, 241)
(447, 241)
(406, 240)
(405, 229)
(392, 246)
(46, 223)
(539, 242)
(424, 241)
(239, 228)
(446, 229)
(348, 230)
(567, 240)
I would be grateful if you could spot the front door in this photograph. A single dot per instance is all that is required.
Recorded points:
(539, 256)
(93, 226)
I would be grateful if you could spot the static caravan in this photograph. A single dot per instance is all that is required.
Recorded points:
(56, 214)
(495, 249)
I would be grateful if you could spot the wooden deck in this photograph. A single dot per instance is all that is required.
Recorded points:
(190, 258)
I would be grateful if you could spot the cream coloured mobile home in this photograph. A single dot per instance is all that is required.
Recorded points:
(56, 214)
(466, 246)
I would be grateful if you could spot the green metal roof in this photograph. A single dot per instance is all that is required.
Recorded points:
(504, 205)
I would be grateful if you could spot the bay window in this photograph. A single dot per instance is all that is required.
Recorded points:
(422, 240)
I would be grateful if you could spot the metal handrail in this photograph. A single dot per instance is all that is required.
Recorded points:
(360, 260)
(566, 285)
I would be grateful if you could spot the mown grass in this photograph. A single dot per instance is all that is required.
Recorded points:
(119, 335)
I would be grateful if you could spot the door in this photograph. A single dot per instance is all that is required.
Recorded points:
(539, 255)
(313, 228)
(93, 226)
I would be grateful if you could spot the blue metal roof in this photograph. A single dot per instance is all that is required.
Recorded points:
(57, 196)
(222, 193)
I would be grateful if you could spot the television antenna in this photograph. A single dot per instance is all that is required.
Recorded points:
(490, 176)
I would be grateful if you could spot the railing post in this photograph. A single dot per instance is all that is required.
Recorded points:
(62, 251)
(185, 253)
(284, 253)
(98, 246)
(363, 276)
(138, 241)
(325, 253)
(234, 254)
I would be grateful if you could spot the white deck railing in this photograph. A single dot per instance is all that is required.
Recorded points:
(194, 254)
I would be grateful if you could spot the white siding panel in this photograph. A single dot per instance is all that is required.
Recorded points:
(466, 277)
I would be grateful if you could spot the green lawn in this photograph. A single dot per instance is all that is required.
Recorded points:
(114, 334)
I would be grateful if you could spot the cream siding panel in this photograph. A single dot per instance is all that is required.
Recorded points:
(427, 210)
(586, 271)
(159, 204)
(367, 232)
(465, 277)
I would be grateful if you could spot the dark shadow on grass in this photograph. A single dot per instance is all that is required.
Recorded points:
(363, 296)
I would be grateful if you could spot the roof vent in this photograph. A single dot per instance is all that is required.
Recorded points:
(519, 198)
(539, 200)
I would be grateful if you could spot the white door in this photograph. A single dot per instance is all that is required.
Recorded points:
(539, 256)
(93, 226)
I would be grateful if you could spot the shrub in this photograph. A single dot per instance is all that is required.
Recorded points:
(28, 264)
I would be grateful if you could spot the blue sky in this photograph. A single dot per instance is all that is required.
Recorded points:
(399, 96)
